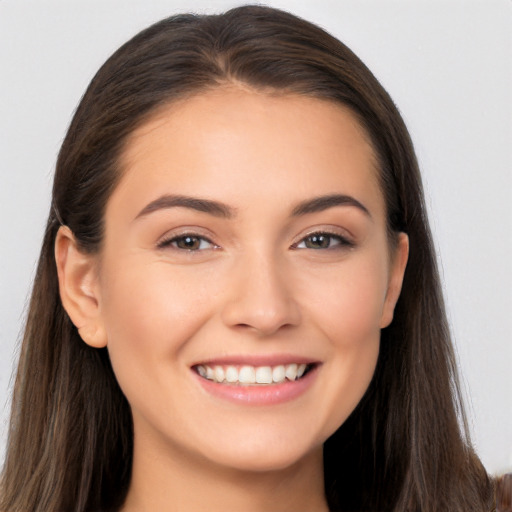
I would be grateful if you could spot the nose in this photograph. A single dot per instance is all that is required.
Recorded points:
(260, 297)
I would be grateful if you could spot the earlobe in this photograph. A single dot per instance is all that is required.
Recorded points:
(78, 287)
(398, 265)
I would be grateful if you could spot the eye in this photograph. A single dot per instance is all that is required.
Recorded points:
(323, 241)
(187, 242)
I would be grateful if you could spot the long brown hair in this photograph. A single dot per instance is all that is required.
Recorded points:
(404, 448)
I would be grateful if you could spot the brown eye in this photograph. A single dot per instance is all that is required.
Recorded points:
(187, 243)
(191, 243)
(318, 241)
(323, 241)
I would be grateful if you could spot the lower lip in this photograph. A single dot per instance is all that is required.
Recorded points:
(260, 395)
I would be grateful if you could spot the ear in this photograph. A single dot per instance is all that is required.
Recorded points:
(396, 277)
(78, 286)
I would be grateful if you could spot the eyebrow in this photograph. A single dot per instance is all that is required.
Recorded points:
(321, 203)
(201, 205)
(222, 210)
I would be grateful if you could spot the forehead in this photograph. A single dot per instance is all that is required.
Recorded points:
(239, 139)
(230, 105)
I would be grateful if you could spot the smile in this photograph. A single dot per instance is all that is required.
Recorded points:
(269, 380)
(252, 375)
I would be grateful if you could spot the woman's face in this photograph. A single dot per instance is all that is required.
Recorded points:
(246, 242)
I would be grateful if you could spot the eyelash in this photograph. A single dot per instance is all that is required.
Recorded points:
(173, 242)
(341, 242)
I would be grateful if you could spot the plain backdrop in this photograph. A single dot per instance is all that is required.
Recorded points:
(448, 66)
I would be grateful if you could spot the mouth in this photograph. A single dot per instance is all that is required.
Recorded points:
(247, 375)
(268, 381)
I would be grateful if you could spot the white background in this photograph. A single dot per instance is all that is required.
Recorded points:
(448, 66)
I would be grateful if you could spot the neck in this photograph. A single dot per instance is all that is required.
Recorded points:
(170, 481)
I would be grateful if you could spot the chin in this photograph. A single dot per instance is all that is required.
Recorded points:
(263, 461)
(263, 453)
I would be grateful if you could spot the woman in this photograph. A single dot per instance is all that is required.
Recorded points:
(237, 303)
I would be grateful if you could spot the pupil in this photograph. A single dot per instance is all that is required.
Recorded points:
(189, 242)
(319, 241)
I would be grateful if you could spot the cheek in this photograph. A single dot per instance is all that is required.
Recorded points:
(347, 310)
(348, 301)
(150, 311)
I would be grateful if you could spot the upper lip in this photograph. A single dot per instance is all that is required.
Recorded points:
(256, 360)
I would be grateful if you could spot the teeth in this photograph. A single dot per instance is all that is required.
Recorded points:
(231, 374)
(264, 375)
(278, 373)
(291, 371)
(218, 374)
(300, 370)
(247, 375)
(251, 374)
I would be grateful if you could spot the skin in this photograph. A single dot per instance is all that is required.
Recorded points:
(255, 284)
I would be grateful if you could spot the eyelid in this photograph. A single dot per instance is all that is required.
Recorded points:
(166, 240)
(346, 239)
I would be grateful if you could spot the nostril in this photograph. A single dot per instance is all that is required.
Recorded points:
(261, 302)
(263, 328)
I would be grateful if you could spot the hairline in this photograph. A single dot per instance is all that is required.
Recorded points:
(233, 84)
